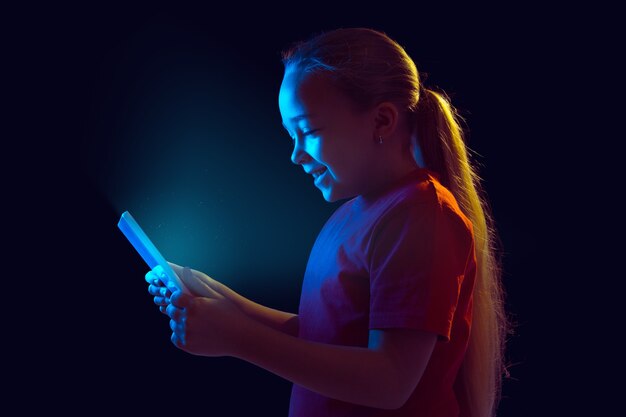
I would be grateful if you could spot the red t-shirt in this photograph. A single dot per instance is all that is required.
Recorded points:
(401, 257)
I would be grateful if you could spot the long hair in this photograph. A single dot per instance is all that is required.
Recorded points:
(369, 67)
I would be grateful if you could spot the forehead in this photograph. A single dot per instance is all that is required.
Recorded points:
(306, 94)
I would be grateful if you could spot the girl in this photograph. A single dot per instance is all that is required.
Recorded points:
(401, 312)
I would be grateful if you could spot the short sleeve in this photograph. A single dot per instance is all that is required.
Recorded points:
(417, 261)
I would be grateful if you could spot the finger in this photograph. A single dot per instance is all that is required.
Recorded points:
(162, 309)
(175, 313)
(177, 268)
(151, 278)
(191, 281)
(178, 329)
(170, 310)
(176, 326)
(171, 286)
(177, 341)
(161, 301)
(161, 296)
(181, 300)
(164, 292)
(187, 274)
(159, 271)
(159, 291)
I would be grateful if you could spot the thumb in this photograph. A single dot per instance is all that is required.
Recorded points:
(181, 300)
(177, 268)
(171, 285)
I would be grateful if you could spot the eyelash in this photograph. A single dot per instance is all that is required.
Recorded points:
(310, 132)
(305, 134)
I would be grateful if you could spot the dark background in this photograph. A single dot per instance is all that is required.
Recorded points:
(173, 115)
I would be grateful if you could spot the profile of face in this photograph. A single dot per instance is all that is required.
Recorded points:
(329, 135)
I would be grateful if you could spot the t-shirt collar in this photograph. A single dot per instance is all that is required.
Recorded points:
(410, 177)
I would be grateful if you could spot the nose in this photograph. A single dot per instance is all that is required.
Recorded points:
(299, 155)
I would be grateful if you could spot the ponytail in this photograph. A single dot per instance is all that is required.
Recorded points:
(444, 152)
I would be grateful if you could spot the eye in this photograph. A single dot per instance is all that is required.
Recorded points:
(310, 132)
(305, 134)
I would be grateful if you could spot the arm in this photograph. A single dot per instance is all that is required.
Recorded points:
(383, 375)
(201, 283)
(278, 320)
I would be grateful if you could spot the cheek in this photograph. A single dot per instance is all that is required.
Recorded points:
(352, 162)
(339, 152)
(314, 147)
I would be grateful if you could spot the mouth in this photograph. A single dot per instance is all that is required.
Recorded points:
(318, 172)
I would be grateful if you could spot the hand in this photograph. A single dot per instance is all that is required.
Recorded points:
(198, 283)
(158, 289)
(207, 326)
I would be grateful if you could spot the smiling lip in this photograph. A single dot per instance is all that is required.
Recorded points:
(318, 173)
(318, 177)
(316, 170)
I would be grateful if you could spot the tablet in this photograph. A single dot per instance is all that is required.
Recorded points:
(140, 241)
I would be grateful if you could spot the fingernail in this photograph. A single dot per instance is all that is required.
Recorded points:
(163, 291)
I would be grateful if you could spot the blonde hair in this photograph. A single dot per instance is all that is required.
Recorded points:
(371, 68)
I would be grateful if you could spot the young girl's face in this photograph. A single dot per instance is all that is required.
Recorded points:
(328, 134)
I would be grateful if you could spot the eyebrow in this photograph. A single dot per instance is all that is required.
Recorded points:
(302, 116)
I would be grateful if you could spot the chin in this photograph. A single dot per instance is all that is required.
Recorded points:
(331, 195)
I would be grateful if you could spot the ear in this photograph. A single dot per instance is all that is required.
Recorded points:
(385, 119)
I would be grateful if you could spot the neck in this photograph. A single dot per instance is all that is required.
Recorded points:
(390, 172)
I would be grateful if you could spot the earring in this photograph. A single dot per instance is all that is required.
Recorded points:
(380, 139)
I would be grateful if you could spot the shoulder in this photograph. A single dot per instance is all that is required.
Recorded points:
(418, 200)
(423, 206)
